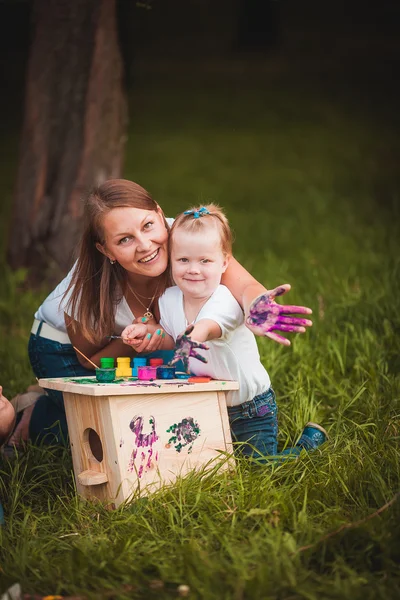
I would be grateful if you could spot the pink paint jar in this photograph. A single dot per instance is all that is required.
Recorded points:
(147, 373)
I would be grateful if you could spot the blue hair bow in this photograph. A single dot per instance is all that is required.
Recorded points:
(197, 213)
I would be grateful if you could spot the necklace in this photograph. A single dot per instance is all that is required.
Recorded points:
(148, 314)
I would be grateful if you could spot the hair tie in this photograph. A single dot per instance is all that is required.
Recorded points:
(197, 213)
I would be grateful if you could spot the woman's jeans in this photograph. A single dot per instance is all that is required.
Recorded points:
(52, 359)
(254, 425)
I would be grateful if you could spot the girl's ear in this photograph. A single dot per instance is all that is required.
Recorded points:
(226, 262)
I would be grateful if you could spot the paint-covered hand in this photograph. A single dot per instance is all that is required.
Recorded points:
(185, 348)
(266, 316)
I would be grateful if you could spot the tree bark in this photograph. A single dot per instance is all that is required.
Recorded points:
(74, 127)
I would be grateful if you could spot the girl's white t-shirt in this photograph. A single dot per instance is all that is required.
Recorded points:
(234, 356)
(53, 308)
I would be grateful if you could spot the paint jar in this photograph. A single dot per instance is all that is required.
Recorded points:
(138, 362)
(124, 366)
(105, 375)
(156, 362)
(181, 375)
(147, 373)
(165, 372)
(107, 363)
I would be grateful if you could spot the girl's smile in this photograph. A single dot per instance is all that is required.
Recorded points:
(197, 262)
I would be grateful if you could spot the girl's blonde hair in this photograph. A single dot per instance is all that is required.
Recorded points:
(212, 216)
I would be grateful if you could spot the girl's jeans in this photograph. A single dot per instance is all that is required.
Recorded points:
(51, 359)
(254, 424)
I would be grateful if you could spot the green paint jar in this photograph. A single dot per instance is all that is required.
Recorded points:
(105, 375)
(107, 363)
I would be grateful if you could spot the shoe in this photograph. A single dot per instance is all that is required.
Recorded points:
(312, 437)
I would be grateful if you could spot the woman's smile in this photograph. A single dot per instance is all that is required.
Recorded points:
(137, 240)
(150, 257)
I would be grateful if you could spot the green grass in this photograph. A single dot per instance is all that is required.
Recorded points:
(310, 185)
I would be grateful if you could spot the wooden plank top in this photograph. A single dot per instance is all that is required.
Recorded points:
(158, 386)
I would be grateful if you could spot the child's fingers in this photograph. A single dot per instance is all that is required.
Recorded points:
(289, 328)
(294, 321)
(199, 357)
(280, 290)
(278, 338)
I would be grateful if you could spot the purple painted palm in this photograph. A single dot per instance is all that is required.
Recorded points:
(185, 348)
(266, 316)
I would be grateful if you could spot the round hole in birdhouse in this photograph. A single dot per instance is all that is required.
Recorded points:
(92, 444)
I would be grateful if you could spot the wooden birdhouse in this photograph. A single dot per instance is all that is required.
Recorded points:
(135, 435)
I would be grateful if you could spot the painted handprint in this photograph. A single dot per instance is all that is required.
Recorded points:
(184, 434)
(143, 444)
(185, 349)
(266, 316)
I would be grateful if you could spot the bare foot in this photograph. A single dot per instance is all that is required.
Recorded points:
(21, 432)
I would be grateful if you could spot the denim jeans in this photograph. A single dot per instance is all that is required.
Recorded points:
(254, 425)
(51, 359)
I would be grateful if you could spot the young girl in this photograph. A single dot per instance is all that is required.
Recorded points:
(200, 250)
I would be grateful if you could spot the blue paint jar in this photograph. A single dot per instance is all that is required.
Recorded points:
(165, 372)
(137, 362)
(181, 375)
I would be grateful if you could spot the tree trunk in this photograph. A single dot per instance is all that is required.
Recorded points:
(74, 127)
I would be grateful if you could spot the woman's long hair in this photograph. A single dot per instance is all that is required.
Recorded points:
(97, 286)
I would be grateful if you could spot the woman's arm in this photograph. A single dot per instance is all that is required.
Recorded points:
(112, 349)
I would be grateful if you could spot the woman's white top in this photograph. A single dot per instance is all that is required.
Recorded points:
(233, 356)
(53, 308)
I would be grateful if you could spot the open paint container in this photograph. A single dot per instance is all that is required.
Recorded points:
(105, 375)
(165, 372)
(147, 373)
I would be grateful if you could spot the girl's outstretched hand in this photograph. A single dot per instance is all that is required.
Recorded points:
(185, 348)
(266, 316)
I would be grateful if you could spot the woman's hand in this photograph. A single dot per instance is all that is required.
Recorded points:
(185, 348)
(266, 316)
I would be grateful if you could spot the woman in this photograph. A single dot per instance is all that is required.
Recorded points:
(120, 273)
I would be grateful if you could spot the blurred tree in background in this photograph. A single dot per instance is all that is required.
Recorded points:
(73, 129)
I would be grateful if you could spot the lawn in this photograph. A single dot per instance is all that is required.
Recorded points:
(305, 165)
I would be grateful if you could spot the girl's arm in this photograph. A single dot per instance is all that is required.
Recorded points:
(241, 284)
(206, 330)
(263, 316)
